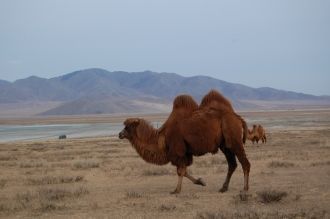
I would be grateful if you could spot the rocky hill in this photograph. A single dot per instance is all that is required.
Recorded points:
(97, 91)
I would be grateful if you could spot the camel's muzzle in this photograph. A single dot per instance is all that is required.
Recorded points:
(122, 135)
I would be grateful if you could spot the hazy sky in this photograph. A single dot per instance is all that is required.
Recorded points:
(283, 44)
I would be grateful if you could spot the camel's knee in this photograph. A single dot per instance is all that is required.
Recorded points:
(181, 171)
(244, 161)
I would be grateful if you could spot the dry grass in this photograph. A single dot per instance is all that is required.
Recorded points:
(2, 183)
(104, 177)
(57, 194)
(320, 163)
(133, 194)
(243, 196)
(31, 164)
(166, 207)
(85, 164)
(270, 195)
(257, 214)
(7, 158)
(54, 180)
(44, 199)
(156, 172)
(280, 164)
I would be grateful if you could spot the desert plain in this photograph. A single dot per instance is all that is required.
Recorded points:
(103, 177)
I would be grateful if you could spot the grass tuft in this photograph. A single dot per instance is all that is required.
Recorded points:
(280, 164)
(133, 194)
(32, 164)
(54, 180)
(156, 172)
(314, 164)
(86, 164)
(7, 158)
(260, 214)
(2, 183)
(167, 207)
(270, 195)
(57, 194)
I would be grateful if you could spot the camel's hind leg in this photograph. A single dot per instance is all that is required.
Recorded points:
(232, 164)
(232, 131)
(198, 181)
(241, 156)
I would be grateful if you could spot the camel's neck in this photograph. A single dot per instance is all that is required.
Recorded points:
(150, 145)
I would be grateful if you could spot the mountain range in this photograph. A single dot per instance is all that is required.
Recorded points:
(98, 91)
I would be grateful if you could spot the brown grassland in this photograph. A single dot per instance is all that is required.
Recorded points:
(104, 177)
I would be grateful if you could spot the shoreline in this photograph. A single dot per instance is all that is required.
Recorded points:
(49, 128)
(78, 119)
(119, 118)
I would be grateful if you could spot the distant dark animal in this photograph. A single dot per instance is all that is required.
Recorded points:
(257, 133)
(62, 137)
(192, 130)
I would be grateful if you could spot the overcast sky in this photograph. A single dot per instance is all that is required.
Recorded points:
(283, 44)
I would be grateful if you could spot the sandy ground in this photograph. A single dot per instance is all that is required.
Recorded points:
(104, 177)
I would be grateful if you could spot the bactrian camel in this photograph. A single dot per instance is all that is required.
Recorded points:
(257, 133)
(192, 130)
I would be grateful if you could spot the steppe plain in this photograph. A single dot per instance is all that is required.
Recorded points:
(103, 177)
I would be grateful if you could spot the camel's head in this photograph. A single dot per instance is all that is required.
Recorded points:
(130, 128)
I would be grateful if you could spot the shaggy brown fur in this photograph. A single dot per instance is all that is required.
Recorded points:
(191, 131)
(214, 99)
(146, 140)
(232, 144)
(217, 101)
(150, 143)
(257, 133)
(183, 107)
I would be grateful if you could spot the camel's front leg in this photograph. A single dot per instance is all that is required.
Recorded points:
(181, 171)
(198, 181)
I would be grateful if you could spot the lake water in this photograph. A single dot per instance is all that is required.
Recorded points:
(38, 132)
(35, 132)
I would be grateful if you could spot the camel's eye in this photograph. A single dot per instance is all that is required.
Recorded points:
(127, 128)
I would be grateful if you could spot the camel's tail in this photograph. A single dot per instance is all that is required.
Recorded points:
(245, 128)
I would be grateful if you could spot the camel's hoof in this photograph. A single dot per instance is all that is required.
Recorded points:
(200, 181)
(244, 195)
(174, 192)
(223, 189)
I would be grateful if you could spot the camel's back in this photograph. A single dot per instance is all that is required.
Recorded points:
(183, 107)
(185, 102)
(215, 100)
(261, 130)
